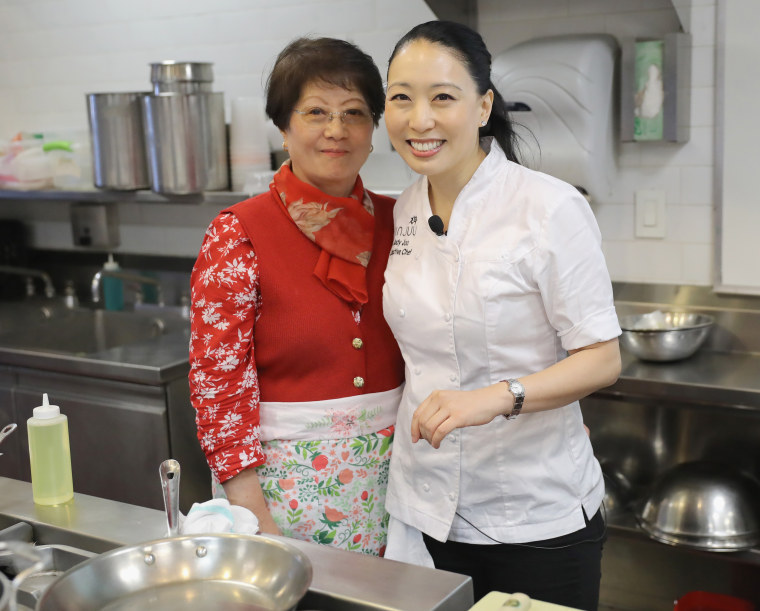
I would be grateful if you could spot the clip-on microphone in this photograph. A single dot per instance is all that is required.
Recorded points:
(436, 225)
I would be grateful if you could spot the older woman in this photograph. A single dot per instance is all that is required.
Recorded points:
(295, 375)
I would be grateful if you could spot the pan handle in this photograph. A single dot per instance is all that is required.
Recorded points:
(6, 430)
(169, 472)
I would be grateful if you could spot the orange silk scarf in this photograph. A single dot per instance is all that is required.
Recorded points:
(343, 227)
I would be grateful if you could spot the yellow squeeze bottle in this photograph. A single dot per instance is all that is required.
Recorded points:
(50, 455)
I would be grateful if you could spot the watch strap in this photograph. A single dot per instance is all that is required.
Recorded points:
(517, 390)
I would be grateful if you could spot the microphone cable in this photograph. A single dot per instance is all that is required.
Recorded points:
(599, 539)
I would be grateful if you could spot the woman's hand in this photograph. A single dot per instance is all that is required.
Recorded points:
(584, 371)
(446, 410)
(244, 490)
(268, 526)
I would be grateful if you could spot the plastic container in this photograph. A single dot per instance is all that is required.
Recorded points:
(249, 144)
(50, 455)
(71, 165)
(24, 165)
(113, 288)
(707, 601)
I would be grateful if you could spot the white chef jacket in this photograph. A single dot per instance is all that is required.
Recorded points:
(519, 280)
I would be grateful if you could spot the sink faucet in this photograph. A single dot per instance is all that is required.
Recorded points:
(31, 273)
(127, 277)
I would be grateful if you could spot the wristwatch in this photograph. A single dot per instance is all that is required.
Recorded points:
(518, 392)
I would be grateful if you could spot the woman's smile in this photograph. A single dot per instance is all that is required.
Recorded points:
(335, 152)
(425, 148)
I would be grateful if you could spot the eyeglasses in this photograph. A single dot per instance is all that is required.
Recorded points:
(320, 116)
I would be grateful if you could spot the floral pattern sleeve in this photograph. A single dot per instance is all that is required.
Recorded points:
(224, 388)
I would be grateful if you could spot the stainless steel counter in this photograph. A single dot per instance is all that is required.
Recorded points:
(723, 372)
(342, 580)
(708, 377)
(713, 378)
(153, 362)
(657, 415)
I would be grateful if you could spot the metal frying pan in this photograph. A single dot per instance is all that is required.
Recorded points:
(222, 571)
(5, 593)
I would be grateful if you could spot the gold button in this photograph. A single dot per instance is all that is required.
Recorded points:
(357, 343)
(358, 382)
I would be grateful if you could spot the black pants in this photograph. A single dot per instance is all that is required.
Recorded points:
(565, 570)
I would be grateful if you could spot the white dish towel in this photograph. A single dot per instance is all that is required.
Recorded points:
(218, 516)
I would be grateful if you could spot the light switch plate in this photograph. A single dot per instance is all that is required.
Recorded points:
(650, 214)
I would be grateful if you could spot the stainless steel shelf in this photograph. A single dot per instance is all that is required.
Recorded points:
(625, 525)
(711, 379)
(211, 198)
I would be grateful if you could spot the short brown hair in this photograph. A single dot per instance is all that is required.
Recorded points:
(330, 60)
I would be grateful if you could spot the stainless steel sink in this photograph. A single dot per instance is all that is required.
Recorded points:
(56, 560)
(82, 331)
(19, 314)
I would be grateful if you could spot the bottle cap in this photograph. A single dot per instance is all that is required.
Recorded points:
(46, 410)
(110, 264)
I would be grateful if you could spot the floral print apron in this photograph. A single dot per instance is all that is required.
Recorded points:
(326, 469)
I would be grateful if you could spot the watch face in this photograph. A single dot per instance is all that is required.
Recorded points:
(518, 392)
(516, 389)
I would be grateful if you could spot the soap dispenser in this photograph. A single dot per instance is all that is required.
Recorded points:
(113, 288)
(50, 455)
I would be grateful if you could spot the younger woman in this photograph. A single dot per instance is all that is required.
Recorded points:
(503, 310)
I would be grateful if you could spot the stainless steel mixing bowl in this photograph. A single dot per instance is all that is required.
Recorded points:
(705, 505)
(664, 336)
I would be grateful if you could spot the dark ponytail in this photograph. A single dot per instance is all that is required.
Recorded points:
(468, 46)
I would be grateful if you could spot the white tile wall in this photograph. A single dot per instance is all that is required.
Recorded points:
(52, 52)
(683, 171)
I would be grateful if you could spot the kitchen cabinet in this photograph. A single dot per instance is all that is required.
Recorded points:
(120, 431)
(737, 132)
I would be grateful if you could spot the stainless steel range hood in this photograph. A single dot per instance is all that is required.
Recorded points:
(462, 11)
(466, 11)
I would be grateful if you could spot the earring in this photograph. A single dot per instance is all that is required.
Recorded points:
(483, 123)
(284, 145)
(371, 147)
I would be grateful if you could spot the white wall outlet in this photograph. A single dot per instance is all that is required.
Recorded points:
(650, 214)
